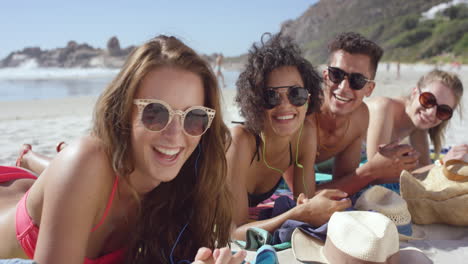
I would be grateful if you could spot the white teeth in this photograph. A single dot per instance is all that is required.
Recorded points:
(342, 98)
(169, 152)
(285, 117)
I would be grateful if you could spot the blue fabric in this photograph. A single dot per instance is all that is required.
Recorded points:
(266, 255)
(284, 233)
(406, 230)
(18, 261)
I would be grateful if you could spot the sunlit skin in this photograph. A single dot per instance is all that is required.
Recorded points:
(285, 119)
(393, 119)
(340, 99)
(281, 130)
(425, 118)
(162, 154)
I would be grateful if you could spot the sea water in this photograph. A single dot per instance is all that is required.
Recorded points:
(44, 83)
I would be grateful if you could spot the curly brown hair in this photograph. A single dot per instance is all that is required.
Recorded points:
(198, 198)
(275, 52)
(355, 43)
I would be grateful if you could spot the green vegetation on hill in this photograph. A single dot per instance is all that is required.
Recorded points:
(397, 25)
(412, 38)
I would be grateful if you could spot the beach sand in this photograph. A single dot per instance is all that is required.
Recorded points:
(44, 123)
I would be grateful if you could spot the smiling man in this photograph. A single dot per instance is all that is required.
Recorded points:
(344, 118)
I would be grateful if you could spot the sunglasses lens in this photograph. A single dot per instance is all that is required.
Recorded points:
(444, 112)
(271, 99)
(357, 81)
(335, 75)
(298, 95)
(196, 122)
(427, 100)
(155, 116)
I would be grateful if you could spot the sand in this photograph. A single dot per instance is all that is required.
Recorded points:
(44, 123)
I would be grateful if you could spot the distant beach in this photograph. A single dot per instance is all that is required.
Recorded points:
(43, 107)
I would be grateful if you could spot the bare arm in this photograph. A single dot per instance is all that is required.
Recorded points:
(346, 174)
(316, 211)
(420, 142)
(304, 178)
(73, 186)
(381, 125)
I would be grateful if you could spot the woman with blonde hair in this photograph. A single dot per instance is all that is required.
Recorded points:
(421, 116)
(147, 185)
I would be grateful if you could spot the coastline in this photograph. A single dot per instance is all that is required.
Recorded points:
(45, 122)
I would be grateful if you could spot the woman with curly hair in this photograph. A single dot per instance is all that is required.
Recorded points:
(147, 185)
(275, 92)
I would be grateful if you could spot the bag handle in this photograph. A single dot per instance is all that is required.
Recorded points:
(452, 175)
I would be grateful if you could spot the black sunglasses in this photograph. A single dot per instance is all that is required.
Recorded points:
(428, 100)
(297, 96)
(356, 81)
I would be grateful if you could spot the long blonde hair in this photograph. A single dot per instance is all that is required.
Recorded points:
(452, 81)
(198, 196)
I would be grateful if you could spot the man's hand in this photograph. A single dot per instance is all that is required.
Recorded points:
(317, 210)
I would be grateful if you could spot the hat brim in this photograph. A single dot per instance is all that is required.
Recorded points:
(307, 248)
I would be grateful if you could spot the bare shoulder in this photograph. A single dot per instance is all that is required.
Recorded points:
(360, 117)
(382, 104)
(84, 160)
(309, 131)
(242, 138)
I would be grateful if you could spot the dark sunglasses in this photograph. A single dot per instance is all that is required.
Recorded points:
(156, 115)
(297, 96)
(428, 100)
(356, 81)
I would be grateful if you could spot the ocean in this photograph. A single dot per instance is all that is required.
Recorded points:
(30, 83)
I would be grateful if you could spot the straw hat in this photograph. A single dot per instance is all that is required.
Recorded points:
(439, 196)
(353, 237)
(389, 203)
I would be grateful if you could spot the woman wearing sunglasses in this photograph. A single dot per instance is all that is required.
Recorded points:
(275, 92)
(147, 185)
(423, 114)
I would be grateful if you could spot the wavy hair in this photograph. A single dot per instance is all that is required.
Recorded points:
(275, 52)
(198, 198)
(452, 81)
(355, 43)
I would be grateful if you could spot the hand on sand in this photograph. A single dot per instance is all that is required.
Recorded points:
(391, 159)
(219, 256)
(459, 152)
(317, 210)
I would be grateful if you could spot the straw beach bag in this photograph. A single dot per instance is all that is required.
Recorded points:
(439, 196)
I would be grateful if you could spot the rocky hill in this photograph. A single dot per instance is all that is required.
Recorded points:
(73, 55)
(399, 26)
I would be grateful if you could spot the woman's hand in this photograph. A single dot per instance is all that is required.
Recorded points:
(219, 256)
(318, 209)
(459, 152)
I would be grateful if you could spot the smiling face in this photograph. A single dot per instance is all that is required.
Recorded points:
(425, 118)
(340, 98)
(284, 119)
(162, 154)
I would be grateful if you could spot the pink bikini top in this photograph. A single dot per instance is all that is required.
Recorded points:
(27, 232)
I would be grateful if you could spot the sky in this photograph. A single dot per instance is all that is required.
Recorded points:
(207, 26)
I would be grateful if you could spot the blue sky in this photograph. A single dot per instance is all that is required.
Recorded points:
(207, 26)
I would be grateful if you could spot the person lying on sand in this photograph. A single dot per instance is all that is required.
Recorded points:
(421, 116)
(276, 91)
(343, 118)
(148, 184)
